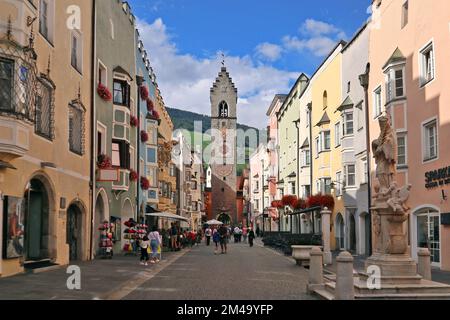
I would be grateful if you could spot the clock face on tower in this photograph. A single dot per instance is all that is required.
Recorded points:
(224, 170)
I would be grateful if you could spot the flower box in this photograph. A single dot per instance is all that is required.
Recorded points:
(104, 92)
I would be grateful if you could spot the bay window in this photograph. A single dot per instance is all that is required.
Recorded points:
(6, 84)
(395, 83)
(348, 124)
(121, 94)
(350, 175)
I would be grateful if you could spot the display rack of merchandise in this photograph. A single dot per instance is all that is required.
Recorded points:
(134, 233)
(106, 242)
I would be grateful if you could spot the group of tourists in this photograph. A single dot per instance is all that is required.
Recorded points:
(151, 244)
(222, 235)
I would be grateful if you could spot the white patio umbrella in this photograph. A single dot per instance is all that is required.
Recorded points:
(214, 223)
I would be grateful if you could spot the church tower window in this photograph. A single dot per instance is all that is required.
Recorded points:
(223, 110)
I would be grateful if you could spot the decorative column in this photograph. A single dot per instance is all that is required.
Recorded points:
(326, 216)
(424, 265)
(345, 289)
(315, 269)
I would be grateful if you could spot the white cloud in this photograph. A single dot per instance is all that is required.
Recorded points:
(185, 80)
(269, 51)
(317, 37)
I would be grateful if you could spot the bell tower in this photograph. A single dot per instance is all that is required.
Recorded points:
(224, 97)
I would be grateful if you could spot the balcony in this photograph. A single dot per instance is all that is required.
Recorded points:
(123, 184)
(17, 97)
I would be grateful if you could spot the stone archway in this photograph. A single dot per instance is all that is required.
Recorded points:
(224, 218)
(101, 215)
(39, 220)
(76, 214)
(340, 232)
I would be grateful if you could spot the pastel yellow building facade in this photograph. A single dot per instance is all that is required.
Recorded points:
(326, 125)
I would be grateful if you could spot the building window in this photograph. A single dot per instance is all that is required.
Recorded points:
(430, 143)
(324, 185)
(306, 191)
(151, 155)
(395, 87)
(325, 99)
(306, 158)
(317, 147)
(6, 84)
(76, 128)
(348, 124)
(121, 154)
(44, 112)
(292, 189)
(337, 134)
(152, 133)
(427, 66)
(350, 175)
(405, 12)
(365, 176)
(121, 93)
(223, 110)
(46, 8)
(101, 139)
(349, 87)
(307, 117)
(102, 74)
(401, 146)
(360, 120)
(325, 141)
(172, 170)
(77, 51)
(377, 103)
(338, 184)
(152, 176)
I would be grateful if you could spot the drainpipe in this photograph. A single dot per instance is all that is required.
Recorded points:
(92, 183)
(297, 125)
(309, 106)
(364, 81)
(139, 81)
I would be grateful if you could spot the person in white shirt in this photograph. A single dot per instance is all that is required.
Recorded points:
(155, 242)
(208, 233)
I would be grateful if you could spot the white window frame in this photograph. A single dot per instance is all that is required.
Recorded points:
(318, 148)
(365, 169)
(132, 158)
(345, 122)
(79, 49)
(425, 124)
(422, 63)
(403, 135)
(339, 184)
(405, 13)
(50, 37)
(156, 155)
(377, 109)
(104, 79)
(347, 184)
(104, 131)
(391, 83)
(337, 135)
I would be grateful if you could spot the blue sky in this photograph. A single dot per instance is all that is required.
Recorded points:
(267, 44)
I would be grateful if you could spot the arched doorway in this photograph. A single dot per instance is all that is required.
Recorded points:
(74, 232)
(428, 233)
(37, 231)
(352, 233)
(224, 218)
(101, 215)
(340, 232)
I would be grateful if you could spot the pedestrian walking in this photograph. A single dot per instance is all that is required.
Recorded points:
(258, 231)
(245, 234)
(208, 233)
(155, 242)
(236, 234)
(173, 237)
(145, 244)
(216, 240)
(251, 237)
(223, 232)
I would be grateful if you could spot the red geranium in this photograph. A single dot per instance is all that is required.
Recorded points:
(144, 92)
(322, 201)
(104, 162)
(154, 114)
(144, 136)
(300, 204)
(145, 184)
(104, 92)
(133, 175)
(289, 200)
(150, 105)
(277, 204)
(134, 122)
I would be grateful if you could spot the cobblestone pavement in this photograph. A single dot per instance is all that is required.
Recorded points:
(100, 279)
(244, 273)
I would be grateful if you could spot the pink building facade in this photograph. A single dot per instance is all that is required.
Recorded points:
(410, 82)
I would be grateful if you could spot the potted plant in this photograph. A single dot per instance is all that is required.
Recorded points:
(144, 136)
(133, 175)
(150, 105)
(145, 184)
(289, 200)
(134, 122)
(104, 92)
(144, 92)
(104, 162)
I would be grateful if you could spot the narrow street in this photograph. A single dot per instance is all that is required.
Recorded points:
(194, 274)
(243, 273)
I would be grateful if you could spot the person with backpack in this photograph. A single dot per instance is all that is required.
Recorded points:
(251, 237)
(216, 240)
(223, 232)
(208, 233)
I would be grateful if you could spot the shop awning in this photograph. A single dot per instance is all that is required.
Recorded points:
(167, 215)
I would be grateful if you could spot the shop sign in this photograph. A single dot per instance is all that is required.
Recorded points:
(436, 178)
